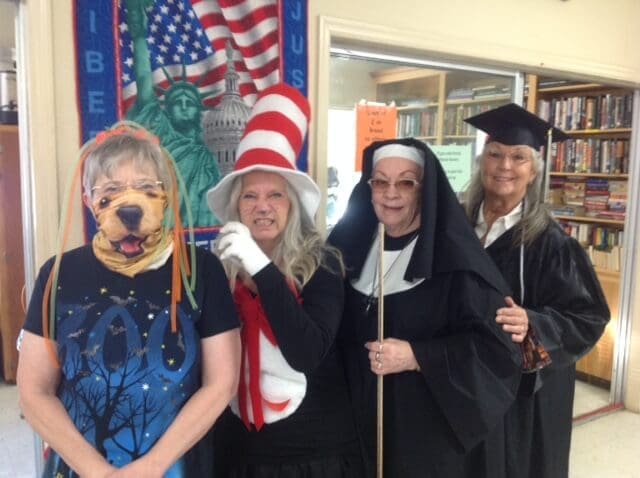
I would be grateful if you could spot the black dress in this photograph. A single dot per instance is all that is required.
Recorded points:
(470, 369)
(568, 313)
(318, 439)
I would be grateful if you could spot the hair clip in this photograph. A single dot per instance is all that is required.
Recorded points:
(124, 129)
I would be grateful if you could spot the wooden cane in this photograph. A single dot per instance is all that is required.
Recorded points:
(380, 427)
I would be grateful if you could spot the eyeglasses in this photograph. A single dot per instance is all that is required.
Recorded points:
(517, 157)
(147, 186)
(403, 186)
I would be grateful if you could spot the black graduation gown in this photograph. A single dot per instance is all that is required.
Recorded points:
(568, 312)
(470, 369)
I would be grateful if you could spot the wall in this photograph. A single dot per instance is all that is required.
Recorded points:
(359, 87)
(7, 29)
(587, 38)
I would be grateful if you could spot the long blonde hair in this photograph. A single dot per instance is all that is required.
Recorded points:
(301, 249)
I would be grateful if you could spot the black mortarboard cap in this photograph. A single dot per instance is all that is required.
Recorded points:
(511, 124)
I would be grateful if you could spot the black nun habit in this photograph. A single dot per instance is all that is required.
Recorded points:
(470, 368)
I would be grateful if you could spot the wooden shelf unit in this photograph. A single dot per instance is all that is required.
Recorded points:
(591, 175)
(596, 367)
(11, 251)
(426, 100)
(589, 219)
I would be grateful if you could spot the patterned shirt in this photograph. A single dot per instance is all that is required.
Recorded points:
(124, 374)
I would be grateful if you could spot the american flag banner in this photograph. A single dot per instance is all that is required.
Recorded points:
(196, 34)
(188, 70)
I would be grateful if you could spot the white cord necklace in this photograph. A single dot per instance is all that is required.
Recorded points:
(522, 256)
(372, 299)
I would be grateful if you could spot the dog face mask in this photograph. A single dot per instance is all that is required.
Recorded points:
(130, 235)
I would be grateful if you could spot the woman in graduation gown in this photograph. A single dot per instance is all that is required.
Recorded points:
(450, 373)
(558, 311)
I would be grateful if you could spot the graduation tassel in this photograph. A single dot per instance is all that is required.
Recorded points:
(547, 165)
(380, 424)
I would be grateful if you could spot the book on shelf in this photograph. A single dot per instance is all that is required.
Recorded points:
(417, 103)
(618, 187)
(555, 196)
(488, 92)
(597, 198)
(599, 237)
(460, 94)
(603, 244)
(579, 231)
(591, 155)
(617, 196)
(554, 83)
(612, 215)
(575, 113)
(574, 192)
(417, 123)
(567, 210)
(454, 115)
(606, 259)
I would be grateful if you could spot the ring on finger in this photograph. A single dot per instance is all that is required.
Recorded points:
(378, 356)
(379, 365)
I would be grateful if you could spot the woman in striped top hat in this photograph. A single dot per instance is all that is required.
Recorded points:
(291, 416)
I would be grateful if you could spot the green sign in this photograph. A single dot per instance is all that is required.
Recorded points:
(456, 161)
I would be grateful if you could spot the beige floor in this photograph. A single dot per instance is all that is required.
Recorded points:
(17, 457)
(606, 447)
(589, 398)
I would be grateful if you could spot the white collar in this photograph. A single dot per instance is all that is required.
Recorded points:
(395, 265)
(511, 218)
(500, 225)
(161, 259)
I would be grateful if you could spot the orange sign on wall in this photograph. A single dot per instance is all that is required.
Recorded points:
(373, 123)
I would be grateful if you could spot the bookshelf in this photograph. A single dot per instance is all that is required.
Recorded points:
(432, 104)
(588, 185)
(11, 251)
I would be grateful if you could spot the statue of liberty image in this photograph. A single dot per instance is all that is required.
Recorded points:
(176, 120)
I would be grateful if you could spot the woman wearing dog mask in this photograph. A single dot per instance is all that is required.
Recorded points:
(291, 417)
(142, 335)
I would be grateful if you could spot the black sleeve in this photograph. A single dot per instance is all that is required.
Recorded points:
(473, 369)
(305, 331)
(218, 310)
(572, 311)
(33, 321)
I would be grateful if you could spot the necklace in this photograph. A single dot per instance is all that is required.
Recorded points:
(372, 299)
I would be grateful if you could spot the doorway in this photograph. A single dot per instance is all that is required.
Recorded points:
(430, 96)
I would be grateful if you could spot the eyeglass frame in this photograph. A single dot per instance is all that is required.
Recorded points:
(385, 184)
(121, 187)
(515, 157)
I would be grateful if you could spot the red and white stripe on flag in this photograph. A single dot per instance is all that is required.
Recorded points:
(252, 27)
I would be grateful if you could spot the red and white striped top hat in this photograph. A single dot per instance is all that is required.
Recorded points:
(272, 141)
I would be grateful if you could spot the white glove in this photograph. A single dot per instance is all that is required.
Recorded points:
(235, 243)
